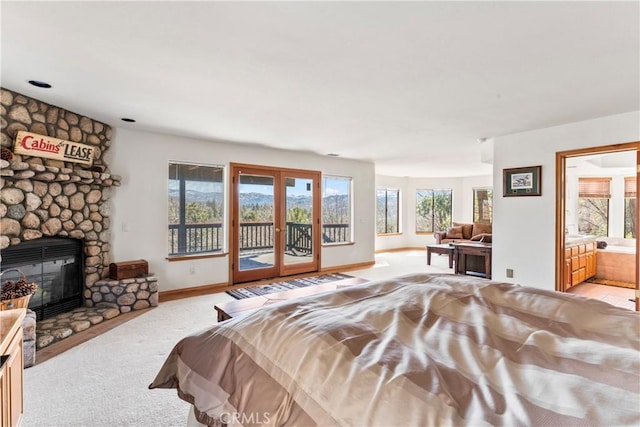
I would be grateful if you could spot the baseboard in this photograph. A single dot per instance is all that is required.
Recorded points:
(408, 248)
(347, 267)
(195, 291)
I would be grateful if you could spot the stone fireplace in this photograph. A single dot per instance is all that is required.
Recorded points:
(43, 198)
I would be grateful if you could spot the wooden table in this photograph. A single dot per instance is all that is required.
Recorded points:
(462, 250)
(443, 248)
(247, 305)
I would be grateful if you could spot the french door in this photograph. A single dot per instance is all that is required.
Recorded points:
(275, 227)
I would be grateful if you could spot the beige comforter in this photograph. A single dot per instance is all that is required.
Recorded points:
(419, 350)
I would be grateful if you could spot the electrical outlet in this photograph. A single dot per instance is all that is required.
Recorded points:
(509, 272)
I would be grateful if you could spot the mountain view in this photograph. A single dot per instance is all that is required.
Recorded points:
(335, 207)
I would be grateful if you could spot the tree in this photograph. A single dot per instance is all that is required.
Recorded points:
(256, 213)
(335, 209)
(630, 218)
(593, 216)
(433, 210)
(299, 215)
(387, 211)
(441, 209)
(197, 213)
(424, 211)
(482, 205)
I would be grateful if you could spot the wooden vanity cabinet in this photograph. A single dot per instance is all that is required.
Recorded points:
(11, 375)
(4, 394)
(580, 263)
(567, 268)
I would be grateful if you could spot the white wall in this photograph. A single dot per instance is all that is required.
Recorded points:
(462, 205)
(140, 204)
(524, 227)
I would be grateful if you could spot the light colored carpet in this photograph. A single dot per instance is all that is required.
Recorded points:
(103, 382)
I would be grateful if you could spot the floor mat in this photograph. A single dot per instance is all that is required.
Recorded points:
(252, 291)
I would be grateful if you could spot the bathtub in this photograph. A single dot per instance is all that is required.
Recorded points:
(616, 262)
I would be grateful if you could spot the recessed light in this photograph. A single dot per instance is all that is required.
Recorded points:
(333, 155)
(125, 119)
(41, 84)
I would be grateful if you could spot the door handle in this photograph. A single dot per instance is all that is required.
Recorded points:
(277, 230)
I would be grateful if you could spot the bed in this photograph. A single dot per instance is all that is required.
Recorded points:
(417, 350)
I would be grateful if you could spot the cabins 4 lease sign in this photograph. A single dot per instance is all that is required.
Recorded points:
(32, 144)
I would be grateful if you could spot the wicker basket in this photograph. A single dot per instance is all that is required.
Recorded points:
(22, 302)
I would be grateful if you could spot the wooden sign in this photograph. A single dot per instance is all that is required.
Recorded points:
(32, 144)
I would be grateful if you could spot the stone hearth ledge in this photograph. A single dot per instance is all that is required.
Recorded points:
(126, 294)
(64, 325)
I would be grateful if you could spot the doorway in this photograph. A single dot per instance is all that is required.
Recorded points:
(564, 269)
(275, 227)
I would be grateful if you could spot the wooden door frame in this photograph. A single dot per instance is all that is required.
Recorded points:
(255, 274)
(316, 177)
(561, 162)
(316, 209)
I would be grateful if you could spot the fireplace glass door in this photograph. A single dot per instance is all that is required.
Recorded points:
(56, 265)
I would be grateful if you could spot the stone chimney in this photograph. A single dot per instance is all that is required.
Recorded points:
(51, 198)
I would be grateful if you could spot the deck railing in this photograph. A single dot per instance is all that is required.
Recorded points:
(195, 238)
(254, 236)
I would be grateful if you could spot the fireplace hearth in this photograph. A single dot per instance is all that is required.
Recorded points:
(56, 265)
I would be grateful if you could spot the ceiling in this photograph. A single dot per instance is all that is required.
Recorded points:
(411, 86)
(603, 164)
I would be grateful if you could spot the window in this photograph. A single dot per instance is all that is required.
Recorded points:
(196, 209)
(433, 210)
(593, 206)
(388, 211)
(336, 210)
(483, 205)
(630, 206)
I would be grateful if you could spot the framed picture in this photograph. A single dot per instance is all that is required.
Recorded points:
(521, 181)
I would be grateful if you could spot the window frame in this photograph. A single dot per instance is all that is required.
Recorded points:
(386, 231)
(630, 197)
(594, 188)
(433, 222)
(351, 232)
(181, 238)
(476, 217)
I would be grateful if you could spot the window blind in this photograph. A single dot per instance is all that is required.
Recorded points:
(630, 189)
(594, 188)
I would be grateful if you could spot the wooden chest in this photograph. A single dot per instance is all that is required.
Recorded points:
(128, 269)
